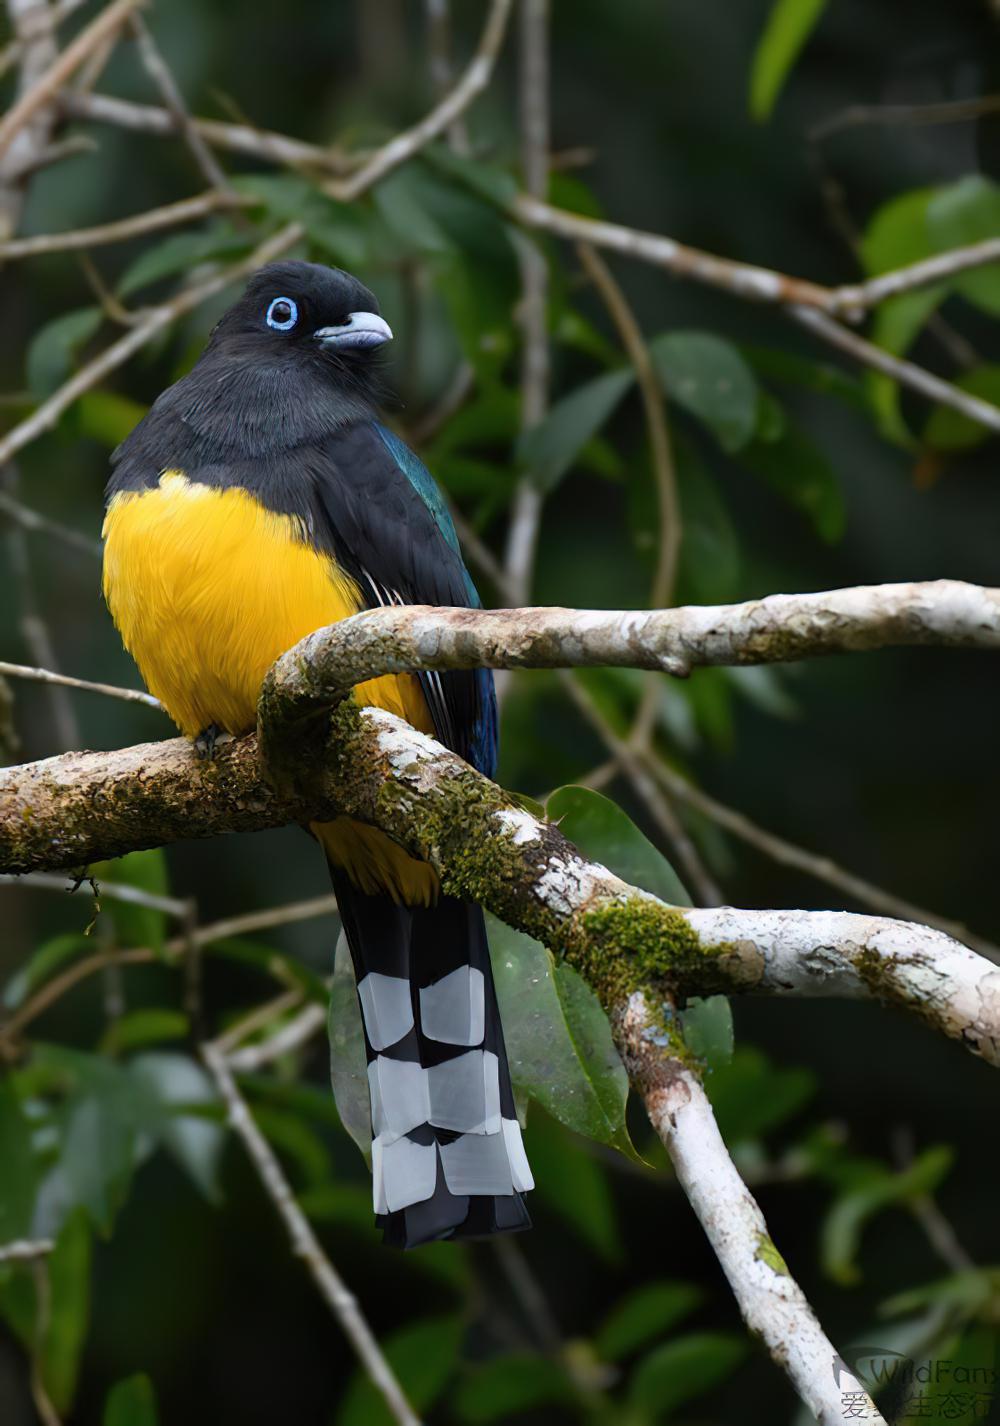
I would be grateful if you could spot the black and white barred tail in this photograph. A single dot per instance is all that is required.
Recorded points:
(447, 1156)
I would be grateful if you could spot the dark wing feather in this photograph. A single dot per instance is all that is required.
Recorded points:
(382, 531)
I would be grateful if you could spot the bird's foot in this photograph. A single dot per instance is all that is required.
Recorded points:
(207, 740)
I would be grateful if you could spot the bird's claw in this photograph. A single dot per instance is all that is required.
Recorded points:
(205, 743)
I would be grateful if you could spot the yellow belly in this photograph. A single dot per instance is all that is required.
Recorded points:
(208, 588)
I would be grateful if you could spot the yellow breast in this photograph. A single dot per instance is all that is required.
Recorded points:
(208, 588)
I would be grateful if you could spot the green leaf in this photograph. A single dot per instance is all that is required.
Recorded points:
(511, 1384)
(69, 1311)
(950, 430)
(558, 1041)
(53, 349)
(710, 562)
(573, 1184)
(960, 215)
(106, 417)
(50, 957)
(840, 1237)
(146, 871)
(707, 1025)
(647, 1312)
(750, 1095)
(682, 1369)
(348, 1061)
(800, 472)
(896, 326)
(486, 180)
(398, 199)
(424, 1358)
(143, 1027)
(708, 377)
(169, 1085)
(131, 1402)
(897, 233)
(179, 253)
(788, 27)
(606, 834)
(550, 448)
(97, 1158)
(19, 1173)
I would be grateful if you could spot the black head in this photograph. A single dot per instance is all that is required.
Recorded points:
(303, 311)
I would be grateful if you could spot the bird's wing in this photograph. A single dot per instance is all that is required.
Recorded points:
(389, 528)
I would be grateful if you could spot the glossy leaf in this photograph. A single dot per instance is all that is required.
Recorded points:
(511, 1384)
(550, 448)
(106, 416)
(707, 1024)
(18, 1170)
(53, 349)
(179, 253)
(682, 1369)
(348, 1061)
(424, 1358)
(800, 472)
(131, 1402)
(558, 1042)
(170, 1086)
(97, 1158)
(605, 833)
(44, 963)
(960, 215)
(750, 1095)
(708, 377)
(789, 25)
(644, 1314)
(143, 1027)
(61, 1347)
(950, 430)
(841, 1233)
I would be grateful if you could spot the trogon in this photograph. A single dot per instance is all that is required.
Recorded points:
(258, 500)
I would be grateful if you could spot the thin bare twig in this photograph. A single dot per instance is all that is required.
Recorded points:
(947, 111)
(532, 310)
(30, 519)
(188, 210)
(905, 372)
(174, 950)
(34, 47)
(470, 84)
(304, 1243)
(154, 321)
(23, 1250)
(692, 869)
(441, 66)
(34, 629)
(62, 680)
(654, 405)
(162, 76)
(310, 1021)
(235, 138)
(48, 84)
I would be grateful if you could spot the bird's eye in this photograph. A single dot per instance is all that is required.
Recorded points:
(282, 314)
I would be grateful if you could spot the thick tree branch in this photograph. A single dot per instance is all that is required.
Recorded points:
(773, 1305)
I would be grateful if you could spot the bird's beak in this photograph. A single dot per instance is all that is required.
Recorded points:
(362, 329)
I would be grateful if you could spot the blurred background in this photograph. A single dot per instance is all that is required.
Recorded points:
(823, 140)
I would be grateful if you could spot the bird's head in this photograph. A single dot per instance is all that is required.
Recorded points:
(301, 313)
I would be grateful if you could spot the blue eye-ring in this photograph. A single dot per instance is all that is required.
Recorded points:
(282, 314)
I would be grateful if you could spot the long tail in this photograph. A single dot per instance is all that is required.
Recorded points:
(447, 1157)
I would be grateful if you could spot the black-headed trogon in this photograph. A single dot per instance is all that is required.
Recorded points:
(258, 500)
